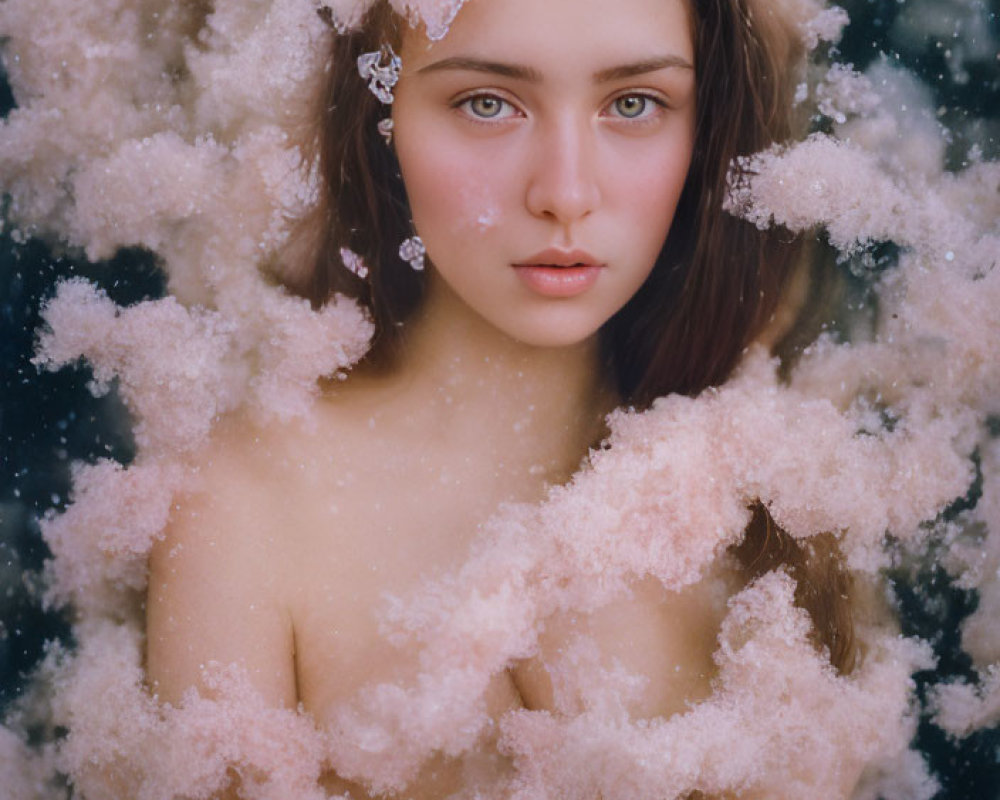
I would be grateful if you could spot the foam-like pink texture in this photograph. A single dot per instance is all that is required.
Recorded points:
(128, 745)
(779, 751)
(179, 127)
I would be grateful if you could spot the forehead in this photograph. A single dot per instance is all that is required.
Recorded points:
(561, 35)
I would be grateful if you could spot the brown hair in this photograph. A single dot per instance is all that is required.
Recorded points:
(363, 204)
(717, 283)
(719, 279)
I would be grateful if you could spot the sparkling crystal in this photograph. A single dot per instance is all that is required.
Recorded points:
(353, 262)
(385, 127)
(413, 251)
(381, 76)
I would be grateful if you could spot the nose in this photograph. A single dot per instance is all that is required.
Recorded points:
(563, 186)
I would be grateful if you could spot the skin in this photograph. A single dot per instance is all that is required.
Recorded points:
(514, 138)
(280, 561)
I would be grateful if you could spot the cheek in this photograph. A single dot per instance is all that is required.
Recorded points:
(451, 193)
(647, 194)
(657, 186)
(481, 209)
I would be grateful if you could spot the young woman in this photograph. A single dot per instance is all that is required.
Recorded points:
(564, 164)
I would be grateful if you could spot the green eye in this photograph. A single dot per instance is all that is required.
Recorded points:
(486, 106)
(631, 106)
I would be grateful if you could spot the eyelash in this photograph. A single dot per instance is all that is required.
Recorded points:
(654, 107)
(653, 100)
(467, 101)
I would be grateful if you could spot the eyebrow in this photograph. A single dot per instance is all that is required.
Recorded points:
(530, 75)
(642, 68)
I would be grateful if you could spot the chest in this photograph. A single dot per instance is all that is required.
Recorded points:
(367, 533)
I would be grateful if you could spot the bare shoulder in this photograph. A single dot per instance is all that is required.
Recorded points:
(224, 506)
(248, 479)
(215, 578)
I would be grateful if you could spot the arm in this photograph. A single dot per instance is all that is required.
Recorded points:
(214, 595)
(214, 590)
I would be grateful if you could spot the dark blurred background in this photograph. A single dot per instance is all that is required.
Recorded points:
(48, 421)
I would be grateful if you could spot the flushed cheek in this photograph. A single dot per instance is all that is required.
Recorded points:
(649, 194)
(480, 208)
(454, 194)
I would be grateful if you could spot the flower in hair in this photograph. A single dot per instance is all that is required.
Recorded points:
(385, 128)
(412, 251)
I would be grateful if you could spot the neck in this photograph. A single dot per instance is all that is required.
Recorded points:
(529, 407)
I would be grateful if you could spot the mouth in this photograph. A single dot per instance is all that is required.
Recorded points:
(554, 258)
(559, 273)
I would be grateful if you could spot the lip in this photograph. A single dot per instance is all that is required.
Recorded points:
(559, 273)
(554, 257)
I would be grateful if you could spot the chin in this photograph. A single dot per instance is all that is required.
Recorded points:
(552, 336)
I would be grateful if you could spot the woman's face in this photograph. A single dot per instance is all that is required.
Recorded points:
(544, 145)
